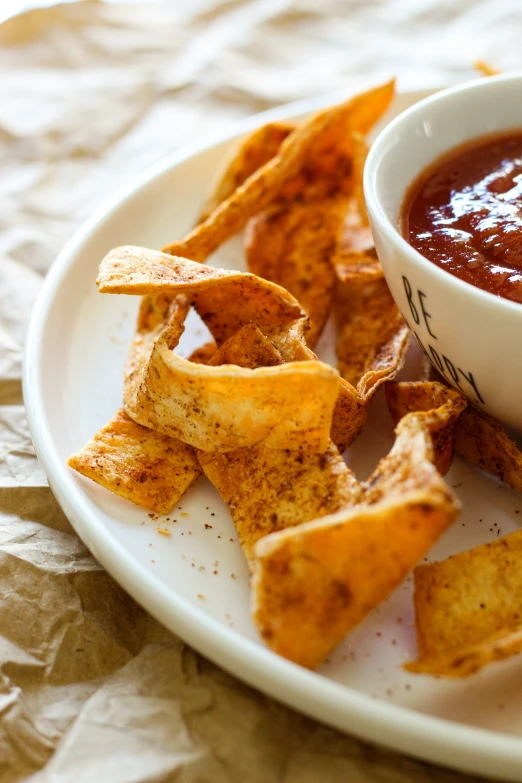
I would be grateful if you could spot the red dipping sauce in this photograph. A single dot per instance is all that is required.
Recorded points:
(465, 214)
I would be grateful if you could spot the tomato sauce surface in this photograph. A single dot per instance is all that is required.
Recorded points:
(465, 214)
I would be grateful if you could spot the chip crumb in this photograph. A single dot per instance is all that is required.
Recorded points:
(215, 563)
(201, 568)
(163, 531)
(214, 572)
(183, 514)
(233, 576)
(219, 536)
(201, 597)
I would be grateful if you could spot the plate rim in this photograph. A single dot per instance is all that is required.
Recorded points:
(403, 729)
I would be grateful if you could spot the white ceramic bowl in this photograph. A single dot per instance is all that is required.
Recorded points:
(471, 336)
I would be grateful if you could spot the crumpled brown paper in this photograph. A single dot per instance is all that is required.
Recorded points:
(91, 688)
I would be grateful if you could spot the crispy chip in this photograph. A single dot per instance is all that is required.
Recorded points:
(268, 489)
(467, 609)
(357, 266)
(292, 245)
(482, 440)
(373, 336)
(314, 583)
(250, 154)
(138, 464)
(371, 349)
(248, 347)
(485, 68)
(225, 299)
(226, 407)
(204, 354)
(405, 397)
(320, 149)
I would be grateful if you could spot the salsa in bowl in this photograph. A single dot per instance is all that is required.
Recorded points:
(442, 191)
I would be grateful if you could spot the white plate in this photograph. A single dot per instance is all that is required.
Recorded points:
(73, 383)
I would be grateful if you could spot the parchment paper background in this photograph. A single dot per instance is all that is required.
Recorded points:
(91, 688)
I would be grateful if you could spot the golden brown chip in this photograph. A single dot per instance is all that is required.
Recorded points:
(292, 245)
(268, 489)
(138, 464)
(320, 149)
(482, 440)
(485, 68)
(357, 266)
(204, 354)
(225, 299)
(314, 583)
(373, 336)
(248, 347)
(360, 153)
(250, 154)
(226, 407)
(372, 344)
(405, 397)
(468, 609)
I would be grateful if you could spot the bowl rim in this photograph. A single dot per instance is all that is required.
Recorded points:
(387, 227)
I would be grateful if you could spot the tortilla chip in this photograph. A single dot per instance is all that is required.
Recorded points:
(292, 245)
(467, 609)
(405, 397)
(250, 348)
(138, 464)
(483, 441)
(315, 583)
(357, 266)
(372, 344)
(485, 68)
(226, 407)
(225, 299)
(245, 158)
(374, 336)
(268, 490)
(320, 150)
(204, 354)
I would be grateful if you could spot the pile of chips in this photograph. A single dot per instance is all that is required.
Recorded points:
(267, 422)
